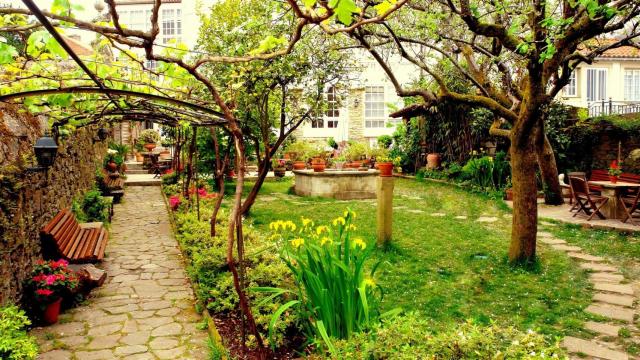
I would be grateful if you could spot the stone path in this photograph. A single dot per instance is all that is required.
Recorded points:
(145, 309)
(614, 300)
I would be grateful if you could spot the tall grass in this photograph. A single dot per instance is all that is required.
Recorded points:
(336, 294)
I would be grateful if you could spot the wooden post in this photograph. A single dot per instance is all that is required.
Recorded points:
(384, 187)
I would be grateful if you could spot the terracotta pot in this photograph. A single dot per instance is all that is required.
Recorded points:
(299, 165)
(318, 167)
(356, 164)
(112, 166)
(150, 147)
(51, 312)
(433, 161)
(508, 195)
(613, 179)
(123, 167)
(139, 157)
(317, 160)
(279, 172)
(386, 169)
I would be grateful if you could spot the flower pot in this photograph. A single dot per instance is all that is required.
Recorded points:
(508, 195)
(139, 157)
(123, 167)
(318, 167)
(356, 164)
(339, 165)
(613, 179)
(279, 172)
(386, 169)
(51, 312)
(149, 147)
(112, 166)
(299, 165)
(433, 161)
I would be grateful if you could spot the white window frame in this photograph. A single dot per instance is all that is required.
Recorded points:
(596, 89)
(571, 89)
(332, 114)
(171, 25)
(632, 88)
(374, 108)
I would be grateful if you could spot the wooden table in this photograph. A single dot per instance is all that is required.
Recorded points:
(613, 208)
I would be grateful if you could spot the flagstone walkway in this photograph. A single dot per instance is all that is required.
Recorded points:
(145, 309)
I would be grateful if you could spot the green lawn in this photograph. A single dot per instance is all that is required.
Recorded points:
(450, 269)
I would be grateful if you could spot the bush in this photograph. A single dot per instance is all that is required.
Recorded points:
(149, 136)
(385, 141)
(170, 178)
(410, 337)
(15, 343)
(487, 173)
(92, 207)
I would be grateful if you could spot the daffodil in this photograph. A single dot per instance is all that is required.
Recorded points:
(289, 224)
(358, 242)
(353, 227)
(325, 240)
(340, 220)
(296, 243)
(370, 282)
(306, 222)
(321, 229)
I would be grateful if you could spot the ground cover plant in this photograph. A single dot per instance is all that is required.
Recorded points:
(15, 343)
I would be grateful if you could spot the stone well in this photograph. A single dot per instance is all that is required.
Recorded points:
(343, 185)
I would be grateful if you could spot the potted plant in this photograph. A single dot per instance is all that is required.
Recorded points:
(298, 152)
(112, 160)
(355, 153)
(340, 161)
(278, 166)
(51, 281)
(138, 148)
(433, 161)
(385, 165)
(149, 138)
(614, 171)
(317, 159)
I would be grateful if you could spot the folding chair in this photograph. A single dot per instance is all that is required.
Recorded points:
(630, 204)
(587, 202)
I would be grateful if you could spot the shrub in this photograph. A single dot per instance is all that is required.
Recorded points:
(332, 142)
(92, 207)
(410, 337)
(170, 178)
(149, 136)
(487, 173)
(385, 141)
(334, 294)
(356, 151)
(15, 343)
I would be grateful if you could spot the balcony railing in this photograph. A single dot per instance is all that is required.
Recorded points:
(609, 107)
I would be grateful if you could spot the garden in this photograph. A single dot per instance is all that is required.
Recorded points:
(303, 210)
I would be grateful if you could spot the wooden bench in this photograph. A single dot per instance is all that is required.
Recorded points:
(75, 242)
(114, 184)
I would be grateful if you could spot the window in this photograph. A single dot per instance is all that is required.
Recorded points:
(571, 89)
(317, 123)
(136, 19)
(171, 25)
(632, 85)
(374, 107)
(333, 111)
(596, 84)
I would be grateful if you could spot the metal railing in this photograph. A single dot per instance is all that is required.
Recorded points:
(610, 107)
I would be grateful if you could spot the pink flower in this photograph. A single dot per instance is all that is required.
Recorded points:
(202, 192)
(44, 292)
(50, 279)
(38, 278)
(174, 202)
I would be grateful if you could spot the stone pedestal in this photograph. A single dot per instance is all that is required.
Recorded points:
(384, 187)
(342, 185)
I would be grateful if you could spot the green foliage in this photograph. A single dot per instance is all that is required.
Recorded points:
(149, 136)
(91, 207)
(332, 142)
(412, 337)
(122, 149)
(488, 173)
(301, 150)
(170, 178)
(385, 141)
(356, 151)
(15, 342)
(329, 265)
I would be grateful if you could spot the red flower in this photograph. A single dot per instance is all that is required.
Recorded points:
(50, 279)
(174, 202)
(38, 278)
(44, 292)
(614, 165)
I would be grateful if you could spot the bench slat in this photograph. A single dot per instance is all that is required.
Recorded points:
(61, 223)
(66, 231)
(99, 241)
(103, 246)
(91, 244)
(76, 242)
(47, 228)
(66, 246)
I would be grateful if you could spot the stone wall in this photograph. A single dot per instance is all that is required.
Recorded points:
(606, 150)
(28, 200)
(356, 114)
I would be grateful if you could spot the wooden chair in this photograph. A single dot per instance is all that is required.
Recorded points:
(587, 202)
(73, 241)
(113, 184)
(630, 204)
(157, 168)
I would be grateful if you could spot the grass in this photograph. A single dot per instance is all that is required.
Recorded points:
(450, 269)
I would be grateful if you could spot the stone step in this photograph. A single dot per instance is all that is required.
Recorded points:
(137, 171)
(614, 288)
(598, 267)
(611, 311)
(606, 277)
(552, 241)
(585, 257)
(591, 348)
(133, 165)
(566, 247)
(622, 300)
(602, 328)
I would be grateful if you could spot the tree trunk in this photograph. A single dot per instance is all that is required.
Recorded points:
(525, 208)
(549, 173)
(263, 171)
(221, 166)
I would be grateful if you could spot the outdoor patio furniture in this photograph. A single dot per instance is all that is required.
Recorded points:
(581, 175)
(157, 166)
(587, 202)
(113, 184)
(73, 241)
(630, 204)
(613, 191)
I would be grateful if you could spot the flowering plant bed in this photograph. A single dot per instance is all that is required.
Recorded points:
(51, 282)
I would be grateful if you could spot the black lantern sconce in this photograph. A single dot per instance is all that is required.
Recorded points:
(103, 134)
(46, 150)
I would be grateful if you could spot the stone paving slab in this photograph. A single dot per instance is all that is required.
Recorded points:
(611, 311)
(145, 309)
(622, 300)
(601, 328)
(591, 348)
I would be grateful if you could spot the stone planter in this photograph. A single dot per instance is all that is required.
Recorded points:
(149, 147)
